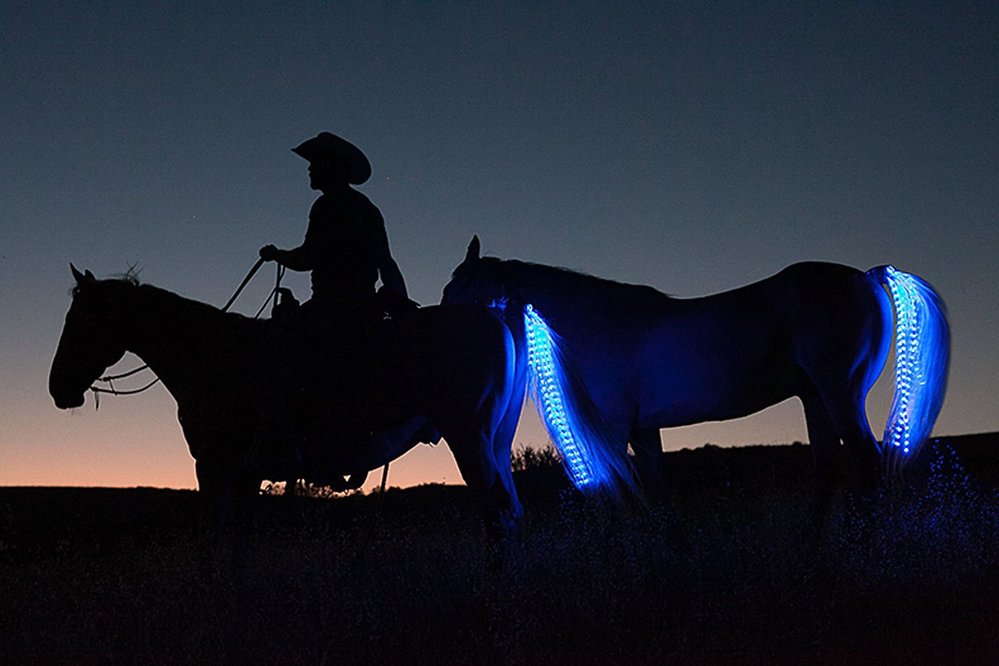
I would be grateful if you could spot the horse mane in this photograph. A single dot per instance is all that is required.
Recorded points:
(613, 295)
(131, 276)
(164, 298)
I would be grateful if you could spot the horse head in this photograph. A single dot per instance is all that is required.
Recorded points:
(89, 342)
(473, 281)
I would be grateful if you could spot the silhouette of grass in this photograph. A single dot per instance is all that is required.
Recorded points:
(741, 570)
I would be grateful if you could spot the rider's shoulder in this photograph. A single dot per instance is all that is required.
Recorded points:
(362, 204)
(348, 202)
(359, 197)
(327, 204)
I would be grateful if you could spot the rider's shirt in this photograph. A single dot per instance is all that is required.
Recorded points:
(345, 238)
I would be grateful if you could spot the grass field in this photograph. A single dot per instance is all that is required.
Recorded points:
(742, 574)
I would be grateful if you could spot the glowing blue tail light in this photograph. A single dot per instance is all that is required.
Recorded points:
(542, 358)
(921, 360)
(906, 299)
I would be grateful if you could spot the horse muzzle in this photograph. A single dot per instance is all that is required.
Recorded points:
(68, 400)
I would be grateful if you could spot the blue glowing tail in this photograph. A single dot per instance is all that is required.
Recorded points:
(922, 357)
(570, 416)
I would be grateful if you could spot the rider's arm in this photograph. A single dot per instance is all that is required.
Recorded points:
(301, 258)
(388, 270)
(298, 259)
(392, 276)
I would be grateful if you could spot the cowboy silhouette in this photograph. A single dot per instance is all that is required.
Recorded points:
(345, 245)
(347, 251)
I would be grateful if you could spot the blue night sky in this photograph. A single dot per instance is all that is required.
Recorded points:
(693, 147)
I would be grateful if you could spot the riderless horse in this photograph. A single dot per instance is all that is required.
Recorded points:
(257, 399)
(612, 363)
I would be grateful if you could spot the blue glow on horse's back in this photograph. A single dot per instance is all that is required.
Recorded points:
(921, 358)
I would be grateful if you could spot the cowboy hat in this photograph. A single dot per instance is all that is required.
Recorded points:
(328, 147)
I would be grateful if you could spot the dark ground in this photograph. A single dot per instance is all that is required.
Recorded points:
(741, 575)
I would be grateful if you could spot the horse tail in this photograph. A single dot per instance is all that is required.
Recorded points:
(922, 357)
(571, 418)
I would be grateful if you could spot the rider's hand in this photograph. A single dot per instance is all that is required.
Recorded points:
(268, 253)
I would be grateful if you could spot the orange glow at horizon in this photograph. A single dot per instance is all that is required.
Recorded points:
(137, 441)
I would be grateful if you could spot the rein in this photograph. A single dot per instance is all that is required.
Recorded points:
(110, 379)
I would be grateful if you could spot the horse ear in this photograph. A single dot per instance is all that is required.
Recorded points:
(82, 278)
(473, 249)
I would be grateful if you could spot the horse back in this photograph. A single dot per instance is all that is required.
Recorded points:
(731, 354)
(433, 359)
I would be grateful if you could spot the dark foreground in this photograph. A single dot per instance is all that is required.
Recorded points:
(113, 575)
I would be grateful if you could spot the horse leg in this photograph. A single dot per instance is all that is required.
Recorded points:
(494, 491)
(647, 444)
(823, 443)
(214, 507)
(848, 415)
(822, 439)
(226, 498)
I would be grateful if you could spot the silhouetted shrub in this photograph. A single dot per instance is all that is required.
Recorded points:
(528, 458)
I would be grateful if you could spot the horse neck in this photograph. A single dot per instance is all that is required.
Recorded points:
(589, 309)
(177, 337)
(562, 297)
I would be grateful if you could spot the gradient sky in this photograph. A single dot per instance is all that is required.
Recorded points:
(694, 147)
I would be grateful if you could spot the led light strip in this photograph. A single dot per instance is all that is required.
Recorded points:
(908, 373)
(541, 359)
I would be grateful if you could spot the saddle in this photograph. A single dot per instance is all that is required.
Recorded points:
(314, 347)
(386, 304)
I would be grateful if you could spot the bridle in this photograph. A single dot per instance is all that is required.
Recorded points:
(110, 379)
